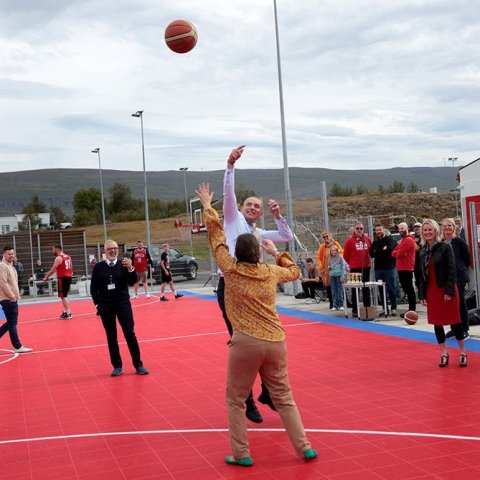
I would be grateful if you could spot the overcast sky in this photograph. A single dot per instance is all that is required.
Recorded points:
(367, 83)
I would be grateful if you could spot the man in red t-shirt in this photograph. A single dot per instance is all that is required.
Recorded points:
(141, 259)
(64, 268)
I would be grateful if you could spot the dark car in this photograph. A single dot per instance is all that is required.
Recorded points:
(180, 264)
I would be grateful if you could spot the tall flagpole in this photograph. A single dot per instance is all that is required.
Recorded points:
(286, 175)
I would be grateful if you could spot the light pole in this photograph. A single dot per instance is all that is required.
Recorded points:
(286, 174)
(453, 160)
(139, 114)
(97, 151)
(189, 220)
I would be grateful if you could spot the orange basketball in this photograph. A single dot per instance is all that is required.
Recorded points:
(411, 317)
(180, 36)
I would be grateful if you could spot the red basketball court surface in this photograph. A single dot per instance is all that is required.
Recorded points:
(372, 398)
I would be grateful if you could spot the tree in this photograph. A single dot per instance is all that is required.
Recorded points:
(121, 199)
(87, 207)
(361, 190)
(339, 191)
(57, 217)
(396, 187)
(336, 190)
(31, 211)
(87, 199)
(412, 188)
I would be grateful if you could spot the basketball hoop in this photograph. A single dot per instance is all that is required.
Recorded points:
(185, 232)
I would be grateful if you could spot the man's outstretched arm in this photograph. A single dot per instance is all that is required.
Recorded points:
(230, 207)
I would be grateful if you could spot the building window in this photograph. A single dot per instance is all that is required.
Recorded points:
(5, 229)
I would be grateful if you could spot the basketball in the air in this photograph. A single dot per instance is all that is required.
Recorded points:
(180, 36)
(411, 317)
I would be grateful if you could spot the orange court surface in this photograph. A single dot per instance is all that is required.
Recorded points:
(373, 400)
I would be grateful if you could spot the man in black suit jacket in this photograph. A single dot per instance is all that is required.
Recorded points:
(109, 290)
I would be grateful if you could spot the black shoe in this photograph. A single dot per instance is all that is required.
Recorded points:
(117, 372)
(443, 360)
(252, 412)
(450, 334)
(265, 398)
(163, 299)
(402, 315)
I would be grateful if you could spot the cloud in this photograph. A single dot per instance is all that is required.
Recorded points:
(364, 83)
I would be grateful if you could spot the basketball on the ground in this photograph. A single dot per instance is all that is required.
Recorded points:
(180, 36)
(411, 317)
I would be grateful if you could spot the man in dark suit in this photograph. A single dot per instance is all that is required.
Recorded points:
(109, 290)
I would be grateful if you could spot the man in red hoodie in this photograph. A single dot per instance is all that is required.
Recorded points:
(356, 254)
(404, 254)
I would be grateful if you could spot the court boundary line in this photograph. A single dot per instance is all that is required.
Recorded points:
(444, 436)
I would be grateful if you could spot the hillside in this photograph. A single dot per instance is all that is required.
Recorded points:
(342, 210)
(56, 187)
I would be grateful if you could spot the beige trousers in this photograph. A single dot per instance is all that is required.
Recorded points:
(249, 356)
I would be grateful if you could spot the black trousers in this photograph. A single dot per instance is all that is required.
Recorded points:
(221, 303)
(406, 281)
(109, 314)
(310, 287)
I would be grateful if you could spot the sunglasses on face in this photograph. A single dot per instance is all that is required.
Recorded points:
(358, 228)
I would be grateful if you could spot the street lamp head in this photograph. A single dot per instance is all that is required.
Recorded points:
(183, 169)
(137, 114)
(96, 150)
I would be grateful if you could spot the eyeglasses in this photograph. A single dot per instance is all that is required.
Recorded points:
(358, 228)
(326, 238)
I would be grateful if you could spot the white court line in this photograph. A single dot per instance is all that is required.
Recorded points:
(11, 355)
(93, 313)
(150, 340)
(253, 430)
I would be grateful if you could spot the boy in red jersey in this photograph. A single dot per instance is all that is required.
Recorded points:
(64, 268)
(140, 260)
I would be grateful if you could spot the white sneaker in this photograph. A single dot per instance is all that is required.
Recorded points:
(333, 309)
(135, 296)
(342, 308)
(23, 349)
(147, 295)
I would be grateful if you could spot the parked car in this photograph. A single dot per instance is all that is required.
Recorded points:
(180, 264)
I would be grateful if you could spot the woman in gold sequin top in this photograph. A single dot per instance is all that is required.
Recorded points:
(258, 340)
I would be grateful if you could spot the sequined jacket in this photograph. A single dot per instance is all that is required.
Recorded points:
(250, 288)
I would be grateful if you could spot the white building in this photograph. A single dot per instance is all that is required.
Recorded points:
(10, 224)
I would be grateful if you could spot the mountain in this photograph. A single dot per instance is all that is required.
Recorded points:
(56, 187)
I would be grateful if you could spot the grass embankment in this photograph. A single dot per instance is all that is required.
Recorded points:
(161, 231)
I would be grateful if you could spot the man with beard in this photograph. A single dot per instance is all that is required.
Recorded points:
(404, 254)
(356, 254)
(381, 252)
